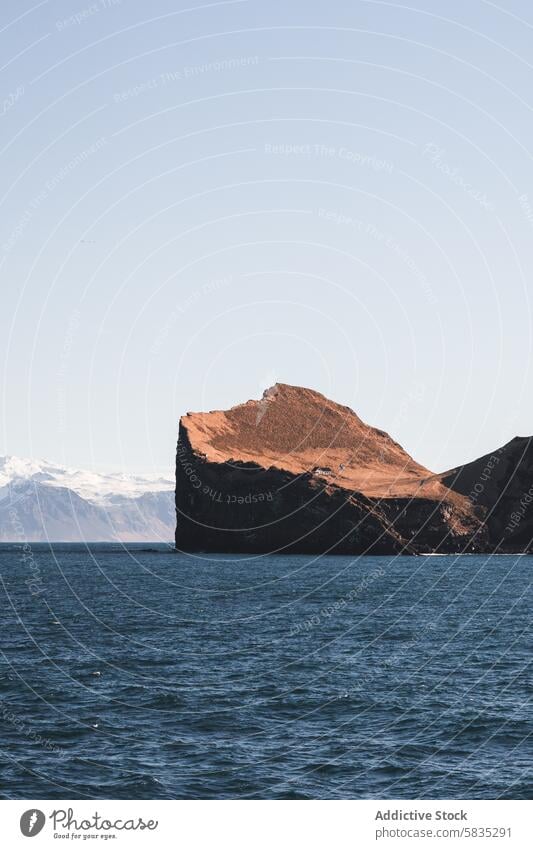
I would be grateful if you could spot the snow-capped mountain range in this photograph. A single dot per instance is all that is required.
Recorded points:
(41, 501)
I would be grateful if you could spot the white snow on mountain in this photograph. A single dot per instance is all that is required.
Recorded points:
(95, 487)
(41, 501)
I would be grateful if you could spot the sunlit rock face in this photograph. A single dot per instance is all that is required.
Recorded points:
(295, 472)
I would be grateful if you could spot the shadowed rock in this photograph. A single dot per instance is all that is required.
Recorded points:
(295, 472)
(501, 483)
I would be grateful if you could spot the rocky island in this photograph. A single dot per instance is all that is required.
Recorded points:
(297, 473)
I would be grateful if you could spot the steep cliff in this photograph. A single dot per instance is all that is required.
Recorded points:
(296, 472)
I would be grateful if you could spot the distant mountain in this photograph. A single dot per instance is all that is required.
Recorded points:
(40, 501)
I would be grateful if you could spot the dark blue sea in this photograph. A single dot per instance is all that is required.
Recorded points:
(135, 672)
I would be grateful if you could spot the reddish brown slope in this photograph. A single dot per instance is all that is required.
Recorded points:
(300, 430)
(322, 467)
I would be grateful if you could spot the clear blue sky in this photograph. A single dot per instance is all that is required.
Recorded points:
(199, 202)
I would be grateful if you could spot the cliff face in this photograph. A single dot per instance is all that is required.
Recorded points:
(501, 483)
(295, 472)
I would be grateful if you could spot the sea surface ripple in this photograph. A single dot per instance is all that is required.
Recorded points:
(136, 672)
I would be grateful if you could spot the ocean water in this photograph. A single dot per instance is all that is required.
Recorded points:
(140, 673)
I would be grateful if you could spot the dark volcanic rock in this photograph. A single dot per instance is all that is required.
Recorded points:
(296, 472)
(501, 483)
